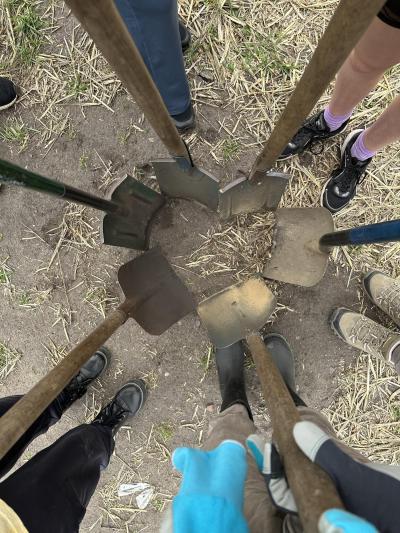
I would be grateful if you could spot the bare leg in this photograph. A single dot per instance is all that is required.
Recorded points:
(378, 50)
(386, 129)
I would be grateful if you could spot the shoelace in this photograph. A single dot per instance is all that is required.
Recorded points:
(349, 177)
(304, 131)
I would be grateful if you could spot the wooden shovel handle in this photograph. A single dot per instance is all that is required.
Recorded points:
(103, 23)
(312, 488)
(21, 416)
(350, 20)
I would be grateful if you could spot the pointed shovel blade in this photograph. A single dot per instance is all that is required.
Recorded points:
(296, 257)
(155, 296)
(236, 312)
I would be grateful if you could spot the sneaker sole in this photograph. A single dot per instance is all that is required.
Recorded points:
(10, 104)
(331, 320)
(343, 148)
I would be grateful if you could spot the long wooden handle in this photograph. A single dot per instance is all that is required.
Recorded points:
(101, 20)
(350, 20)
(21, 416)
(313, 489)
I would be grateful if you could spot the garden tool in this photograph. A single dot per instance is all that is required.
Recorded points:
(177, 177)
(349, 22)
(154, 296)
(129, 213)
(303, 240)
(236, 313)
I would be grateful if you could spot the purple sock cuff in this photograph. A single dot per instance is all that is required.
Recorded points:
(335, 121)
(359, 150)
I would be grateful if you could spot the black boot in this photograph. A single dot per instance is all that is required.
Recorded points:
(284, 360)
(185, 36)
(230, 366)
(90, 371)
(126, 403)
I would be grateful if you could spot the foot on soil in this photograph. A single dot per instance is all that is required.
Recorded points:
(384, 292)
(363, 333)
(185, 36)
(185, 121)
(90, 371)
(126, 403)
(230, 367)
(341, 187)
(313, 130)
(8, 94)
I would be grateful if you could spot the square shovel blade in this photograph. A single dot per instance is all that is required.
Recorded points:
(141, 204)
(191, 184)
(155, 296)
(296, 256)
(245, 196)
(236, 312)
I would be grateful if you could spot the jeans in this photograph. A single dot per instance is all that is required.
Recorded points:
(153, 25)
(51, 491)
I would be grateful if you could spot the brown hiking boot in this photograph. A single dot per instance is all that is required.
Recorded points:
(384, 292)
(363, 333)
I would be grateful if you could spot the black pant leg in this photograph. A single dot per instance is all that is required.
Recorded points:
(50, 492)
(49, 417)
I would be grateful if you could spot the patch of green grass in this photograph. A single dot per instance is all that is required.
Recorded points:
(15, 132)
(27, 25)
(77, 86)
(396, 413)
(8, 359)
(165, 431)
(83, 161)
(264, 54)
(158, 504)
(5, 273)
(230, 149)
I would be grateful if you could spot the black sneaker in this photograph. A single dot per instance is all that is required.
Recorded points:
(8, 94)
(185, 36)
(90, 371)
(313, 130)
(341, 187)
(184, 121)
(126, 403)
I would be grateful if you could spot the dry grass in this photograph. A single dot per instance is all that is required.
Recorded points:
(8, 359)
(366, 413)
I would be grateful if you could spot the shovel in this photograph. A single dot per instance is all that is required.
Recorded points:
(154, 296)
(237, 313)
(349, 22)
(303, 240)
(178, 177)
(129, 213)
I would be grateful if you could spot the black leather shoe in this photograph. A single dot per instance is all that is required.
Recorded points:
(185, 121)
(8, 94)
(126, 403)
(230, 366)
(185, 35)
(90, 371)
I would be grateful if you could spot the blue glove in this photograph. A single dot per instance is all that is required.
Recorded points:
(211, 495)
(339, 521)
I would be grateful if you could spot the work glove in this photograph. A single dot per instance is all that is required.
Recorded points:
(211, 494)
(370, 490)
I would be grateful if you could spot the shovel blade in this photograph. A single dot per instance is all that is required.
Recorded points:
(141, 205)
(155, 296)
(191, 184)
(236, 312)
(296, 257)
(245, 196)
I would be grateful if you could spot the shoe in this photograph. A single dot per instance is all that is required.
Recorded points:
(90, 371)
(185, 35)
(363, 333)
(8, 94)
(341, 187)
(126, 403)
(313, 130)
(384, 292)
(185, 121)
(282, 356)
(230, 367)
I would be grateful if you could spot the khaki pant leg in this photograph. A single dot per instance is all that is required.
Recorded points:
(234, 423)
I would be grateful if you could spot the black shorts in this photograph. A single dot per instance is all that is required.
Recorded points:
(390, 13)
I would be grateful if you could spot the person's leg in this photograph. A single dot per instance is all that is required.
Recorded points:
(154, 27)
(90, 371)
(54, 487)
(385, 130)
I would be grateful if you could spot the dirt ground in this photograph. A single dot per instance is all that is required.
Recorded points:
(60, 282)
